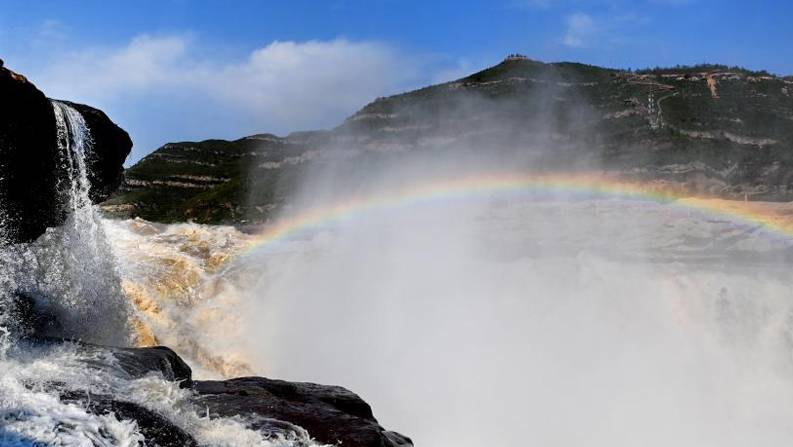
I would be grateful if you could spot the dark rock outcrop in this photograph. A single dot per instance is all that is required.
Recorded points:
(277, 409)
(30, 163)
(330, 414)
(28, 156)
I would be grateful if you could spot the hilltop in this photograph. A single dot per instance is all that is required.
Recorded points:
(709, 129)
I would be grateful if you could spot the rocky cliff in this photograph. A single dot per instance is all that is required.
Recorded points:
(31, 161)
(710, 129)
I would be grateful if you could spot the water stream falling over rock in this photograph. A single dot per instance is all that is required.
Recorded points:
(74, 142)
(70, 271)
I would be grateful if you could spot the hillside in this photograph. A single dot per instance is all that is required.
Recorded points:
(711, 129)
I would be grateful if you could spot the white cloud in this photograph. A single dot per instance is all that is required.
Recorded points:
(315, 78)
(586, 31)
(580, 32)
(303, 81)
(103, 74)
(167, 88)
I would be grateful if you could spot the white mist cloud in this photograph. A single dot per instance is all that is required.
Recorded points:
(511, 323)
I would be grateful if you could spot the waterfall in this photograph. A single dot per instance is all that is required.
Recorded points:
(70, 271)
(74, 142)
(78, 270)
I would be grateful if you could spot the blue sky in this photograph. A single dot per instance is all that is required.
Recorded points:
(174, 70)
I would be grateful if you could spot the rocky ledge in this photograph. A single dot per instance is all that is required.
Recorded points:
(330, 414)
(275, 408)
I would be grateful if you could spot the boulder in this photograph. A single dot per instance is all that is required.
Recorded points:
(330, 414)
(138, 362)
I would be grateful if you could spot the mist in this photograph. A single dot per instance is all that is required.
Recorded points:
(526, 318)
(508, 317)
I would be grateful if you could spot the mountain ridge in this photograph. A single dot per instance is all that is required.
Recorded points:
(710, 129)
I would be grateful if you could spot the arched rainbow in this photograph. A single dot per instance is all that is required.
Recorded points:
(775, 219)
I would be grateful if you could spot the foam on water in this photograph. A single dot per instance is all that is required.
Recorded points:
(32, 410)
(178, 277)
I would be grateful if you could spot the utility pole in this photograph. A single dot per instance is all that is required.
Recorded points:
(651, 110)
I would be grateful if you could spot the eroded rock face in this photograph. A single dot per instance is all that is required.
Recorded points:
(31, 167)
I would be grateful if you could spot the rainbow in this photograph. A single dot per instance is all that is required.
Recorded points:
(776, 218)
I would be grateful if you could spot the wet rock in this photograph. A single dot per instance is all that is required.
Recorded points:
(278, 409)
(330, 414)
(130, 363)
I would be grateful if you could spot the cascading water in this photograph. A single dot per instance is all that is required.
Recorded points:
(76, 263)
(70, 272)
(74, 141)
